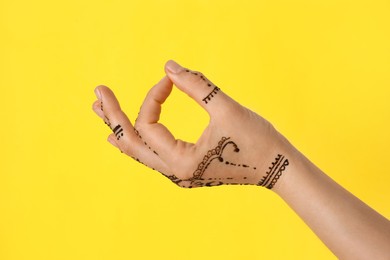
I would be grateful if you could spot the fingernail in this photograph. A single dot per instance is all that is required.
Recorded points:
(97, 93)
(173, 66)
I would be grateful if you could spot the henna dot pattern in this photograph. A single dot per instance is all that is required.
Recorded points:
(136, 159)
(145, 143)
(274, 172)
(209, 84)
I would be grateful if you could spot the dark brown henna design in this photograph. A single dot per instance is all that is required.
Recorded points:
(145, 143)
(274, 173)
(216, 153)
(211, 95)
(215, 183)
(174, 179)
(118, 131)
(207, 184)
(239, 165)
(197, 180)
(211, 155)
(136, 159)
(209, 84)
(202, 77)
(107, 121)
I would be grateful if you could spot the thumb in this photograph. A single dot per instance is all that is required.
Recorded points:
(197, 86)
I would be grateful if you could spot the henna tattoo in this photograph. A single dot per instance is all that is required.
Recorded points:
(216, 153)
(197, 180)
(174, 179)
(211, 95)
(211, 155)
(145, 143)
(213, 183)
(209, 84)
(201, 76)
(136, 159)
(207, 184)
(239, 165)
(107, 121)
(274, 172)
(118, 131)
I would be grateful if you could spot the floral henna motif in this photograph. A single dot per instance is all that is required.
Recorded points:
(213, 154)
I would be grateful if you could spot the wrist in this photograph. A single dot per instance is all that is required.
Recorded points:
(281, 165)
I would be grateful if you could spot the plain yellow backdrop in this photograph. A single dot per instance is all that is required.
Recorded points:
(318, 70)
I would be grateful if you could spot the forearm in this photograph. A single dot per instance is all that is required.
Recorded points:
(347, 226)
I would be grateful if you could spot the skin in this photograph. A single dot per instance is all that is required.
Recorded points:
(349, 228)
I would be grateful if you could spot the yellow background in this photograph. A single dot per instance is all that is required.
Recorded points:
(318, 70)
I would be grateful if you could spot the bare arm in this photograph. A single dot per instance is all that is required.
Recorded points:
(346, 225)
(247, 152)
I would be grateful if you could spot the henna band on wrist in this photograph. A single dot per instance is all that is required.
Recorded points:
(274, 172)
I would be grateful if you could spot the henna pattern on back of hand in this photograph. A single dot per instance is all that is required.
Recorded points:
(269, 180)
(197, 180)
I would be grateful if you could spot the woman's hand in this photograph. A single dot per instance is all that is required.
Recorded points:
(240, 147)
(237, 147)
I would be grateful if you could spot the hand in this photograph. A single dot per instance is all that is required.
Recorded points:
(237, 147)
